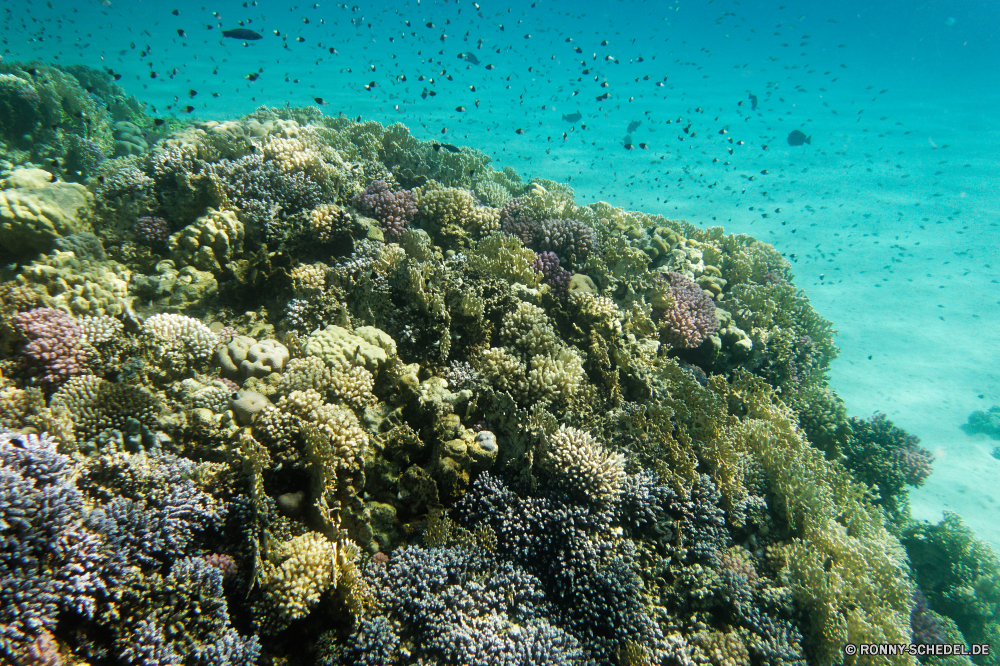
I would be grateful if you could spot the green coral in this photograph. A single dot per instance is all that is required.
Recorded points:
(960, 576)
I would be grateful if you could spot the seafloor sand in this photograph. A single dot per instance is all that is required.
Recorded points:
(890, 216)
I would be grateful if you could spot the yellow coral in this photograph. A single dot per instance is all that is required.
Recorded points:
(504, 256)
(208, 242)
(581, 464)
(306, 568)
(309, 278)
(446, 206)
(350, 383)
(364, 347)
(64, 282)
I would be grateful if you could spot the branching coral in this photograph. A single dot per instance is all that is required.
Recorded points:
(53, 349)
(691, 318)
(582, 466)
(393, 210)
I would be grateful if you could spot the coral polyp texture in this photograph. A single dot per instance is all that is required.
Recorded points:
(295, 389)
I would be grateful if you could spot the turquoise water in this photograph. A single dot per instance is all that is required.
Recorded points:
(889, 215)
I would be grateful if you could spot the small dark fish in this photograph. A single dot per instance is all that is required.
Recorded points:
(633, 126)
(242, 33)
(469, 58)
(797, 138)
(181, 33)
(601, 98)
(753, 101)
(519, 131)
(572, 117)
(188, 109)
(158, 121)
(628, 142)
(176, 12)
(447, 146)
(321, 101)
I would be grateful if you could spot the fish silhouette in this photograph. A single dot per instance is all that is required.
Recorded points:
(242, 33)
(633, 126)
(753, 101)
(797, 138)
(469, 57)
(572, 117)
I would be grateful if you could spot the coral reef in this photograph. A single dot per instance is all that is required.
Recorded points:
(373, 400)
(960, 577)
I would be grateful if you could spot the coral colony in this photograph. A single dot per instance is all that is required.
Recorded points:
(294, 389)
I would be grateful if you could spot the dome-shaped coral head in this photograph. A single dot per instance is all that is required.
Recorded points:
(692, 317)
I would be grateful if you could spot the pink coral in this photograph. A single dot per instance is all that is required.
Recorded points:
(392, 209)
(692, 318)
(53, 349)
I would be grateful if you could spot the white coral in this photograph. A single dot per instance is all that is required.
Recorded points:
(581, 464)
(178, 341)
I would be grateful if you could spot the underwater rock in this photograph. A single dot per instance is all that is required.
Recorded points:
(291, 504)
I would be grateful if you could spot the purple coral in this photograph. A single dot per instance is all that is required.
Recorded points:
(557, 277)
(53, 350)
(926, 628)
(49, 563)
(151, 230)
(572, 240)
(516, 221)
(915, 463)
(392, 209)
(692, 318)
